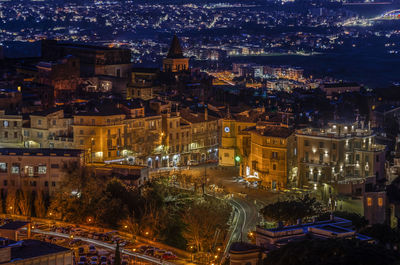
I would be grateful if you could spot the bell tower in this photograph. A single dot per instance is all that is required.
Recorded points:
(175, 61)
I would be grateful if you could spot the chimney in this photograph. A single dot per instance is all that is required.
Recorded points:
(206, 114)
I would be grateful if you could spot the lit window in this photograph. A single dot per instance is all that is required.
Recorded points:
(369, 201)
(15, 169)
(380, 202)
(42, 169)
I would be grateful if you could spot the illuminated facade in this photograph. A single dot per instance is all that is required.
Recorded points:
(272, 158)
(48, 129)
(342, 153)
(100, 133)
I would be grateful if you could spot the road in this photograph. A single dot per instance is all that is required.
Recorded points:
(152, 260)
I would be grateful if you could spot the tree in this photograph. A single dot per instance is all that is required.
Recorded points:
(40, 204)
(24, 201)
(203, 219)
(117, 260)
(384, 234)
(331, 252)
(289, 211)
(11, 201)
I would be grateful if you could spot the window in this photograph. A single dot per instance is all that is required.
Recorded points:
(3, 167)
(5, 134)
(42, 169)
(275, 155)
(15, 123)
(15, 169)
(53, 183)
(55, 166)
(321, 144)
(29, 170)
(357, 157)
(306, 156)
(81, 142)
(377, 158)
(15, 134)
(26, 133)
(54, 122)
(46, 183)
(5, 123)
(80, 131)
(39, 122)
(226, 154)
(369, 201)
(33, 183)
(306, 143)
(334, 146)
(39, 134)
(321, 157)
(93, 122)
(380, 202)
(5, 182)
(274, 167)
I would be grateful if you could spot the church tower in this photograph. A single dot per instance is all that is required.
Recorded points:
(175, 61)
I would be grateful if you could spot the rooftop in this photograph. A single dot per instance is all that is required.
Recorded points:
(40, 152)
(34, 248)
(15, 225)
(175, 50)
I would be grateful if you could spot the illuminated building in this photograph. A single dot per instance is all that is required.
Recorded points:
(36, 168)
(100, 132)
(48, 129)
(344, 155)
(10, 129)
(143, 83)
(272, 157)
(175, 61)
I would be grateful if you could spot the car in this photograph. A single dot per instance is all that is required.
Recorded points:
(159, 253)
(81, 250)
(82, 258)
(168, 256)
(92, 249)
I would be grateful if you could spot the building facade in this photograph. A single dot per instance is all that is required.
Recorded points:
(36, 169)
(343, 153)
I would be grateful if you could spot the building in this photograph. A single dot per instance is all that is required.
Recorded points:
(93, 60)
(62, 75)
(100, 132)
(344, 155)
(337, 88)
(235, 139)
(176, 139)
(267, 240)
(50, 128)
(143, 83)
(31, 252)
(143, 134)
(241, 253)
(205, 135)
(175, 61)
(336, 227)
(272, 159)
(376, 207)
(37, 169)
(10, 129)
(130, 175)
